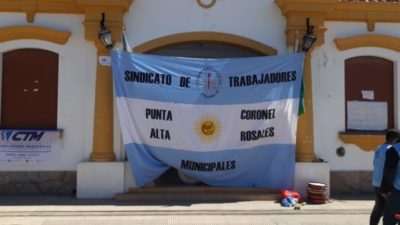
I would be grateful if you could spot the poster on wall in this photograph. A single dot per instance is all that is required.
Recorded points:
(30, 146)
(224, 122)
(367, 115)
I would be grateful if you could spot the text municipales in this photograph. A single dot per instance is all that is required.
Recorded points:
(208, 166)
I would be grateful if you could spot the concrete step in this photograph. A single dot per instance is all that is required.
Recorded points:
(194, 194)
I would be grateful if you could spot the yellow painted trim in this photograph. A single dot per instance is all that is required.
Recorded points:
(206, 6)
(341, 10)
(367, 142)
(31, 7)
(319, 11)
(103, 126)
(33, 32)
(372, 40)
(211, 37)
(369, 12)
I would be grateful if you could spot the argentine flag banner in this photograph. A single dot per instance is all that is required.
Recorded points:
(224, 122)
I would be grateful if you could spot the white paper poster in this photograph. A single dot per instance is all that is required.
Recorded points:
(365, 115)
(369, 95)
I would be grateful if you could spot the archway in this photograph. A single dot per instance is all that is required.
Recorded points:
(214, 38)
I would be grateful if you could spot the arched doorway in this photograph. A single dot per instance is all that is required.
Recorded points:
(201, 45)
(204, 50)
(193, 38)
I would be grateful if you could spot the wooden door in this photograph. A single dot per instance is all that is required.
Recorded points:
(29, 89)
(374, 74)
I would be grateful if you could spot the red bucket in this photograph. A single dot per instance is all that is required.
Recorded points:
(317, 193)
(317, 186)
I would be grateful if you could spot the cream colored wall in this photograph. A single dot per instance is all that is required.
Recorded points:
(150, 19)
(259, 20)
(328, 89)
(77, 69)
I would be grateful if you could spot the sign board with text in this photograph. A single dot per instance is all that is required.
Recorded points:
(30, 146)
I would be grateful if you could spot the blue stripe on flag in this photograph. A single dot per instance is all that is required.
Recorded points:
(230, 71)
(269, 166)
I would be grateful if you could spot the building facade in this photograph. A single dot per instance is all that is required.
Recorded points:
(355, 60)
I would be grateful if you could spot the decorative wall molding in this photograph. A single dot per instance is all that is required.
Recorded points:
(33, 32)
(31, 7)
(366, 142)
(319, 11)
(206, 3)
(371, 40)
(114, 18)
(210, 37)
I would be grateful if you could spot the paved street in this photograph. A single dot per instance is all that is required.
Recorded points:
(58, 210)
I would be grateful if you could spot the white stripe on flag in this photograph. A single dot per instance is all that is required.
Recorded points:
(184, 124)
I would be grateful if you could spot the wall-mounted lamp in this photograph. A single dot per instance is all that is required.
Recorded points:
(309, 38)
(340, 151)
(104, 34)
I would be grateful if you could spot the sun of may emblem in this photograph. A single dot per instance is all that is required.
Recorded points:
(207, 128)
(210, 80)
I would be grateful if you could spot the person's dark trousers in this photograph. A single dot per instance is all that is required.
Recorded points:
(377, 211)
(391, 208)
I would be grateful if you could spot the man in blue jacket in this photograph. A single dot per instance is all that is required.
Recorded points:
(391, 178)
(381, 186)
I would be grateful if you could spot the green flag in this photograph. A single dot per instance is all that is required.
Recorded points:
(301, 102)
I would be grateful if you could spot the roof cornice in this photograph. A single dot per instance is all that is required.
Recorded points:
(319, 11)
(31, 7)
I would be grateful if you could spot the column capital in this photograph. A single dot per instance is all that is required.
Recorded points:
(114, 11)
(296, 13)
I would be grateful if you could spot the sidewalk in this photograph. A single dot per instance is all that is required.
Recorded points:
(61, 210)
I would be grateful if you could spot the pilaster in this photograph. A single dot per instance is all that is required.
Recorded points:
(296, 13)
(103, 132)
